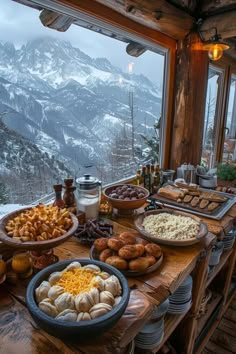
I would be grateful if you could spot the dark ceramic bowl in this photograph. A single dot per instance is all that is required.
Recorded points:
(122, 204)
(83, 330)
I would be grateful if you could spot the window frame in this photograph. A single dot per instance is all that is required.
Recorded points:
(100, 15)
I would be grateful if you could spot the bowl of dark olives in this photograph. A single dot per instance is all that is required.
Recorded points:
(126, 196)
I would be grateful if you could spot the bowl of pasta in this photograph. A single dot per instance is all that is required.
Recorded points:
(77, 299)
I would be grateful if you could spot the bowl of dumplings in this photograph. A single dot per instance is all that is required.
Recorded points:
(77, 299)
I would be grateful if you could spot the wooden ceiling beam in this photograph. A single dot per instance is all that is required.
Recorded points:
(55, 21)
(209, 6)
(225, 24)
(157, 14)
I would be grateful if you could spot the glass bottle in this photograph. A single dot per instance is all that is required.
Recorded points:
(58, 201)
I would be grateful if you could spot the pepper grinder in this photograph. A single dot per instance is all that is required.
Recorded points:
(68, 196)
(58, 201)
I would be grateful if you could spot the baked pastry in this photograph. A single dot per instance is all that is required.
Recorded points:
(139, 264)
(212, 206)
(115, 244)
(187, 198)
(140, 248)
(194, 193)
(105, 254)
(195, 201)
(128, 252)
(127, 238)
(171, 192)
(117, 262)
(153, 250)
(204, 203)
(151, 260)
(213, 197)
(100, 244)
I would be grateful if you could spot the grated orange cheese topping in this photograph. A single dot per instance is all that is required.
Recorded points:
(76, 281)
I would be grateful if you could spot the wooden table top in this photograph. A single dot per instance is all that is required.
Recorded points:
(20, 333)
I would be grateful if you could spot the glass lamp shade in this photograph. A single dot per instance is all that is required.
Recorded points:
(215, 50)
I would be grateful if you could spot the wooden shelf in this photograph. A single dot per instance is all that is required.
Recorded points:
(171, 322)
(211, 306)
(223, 259)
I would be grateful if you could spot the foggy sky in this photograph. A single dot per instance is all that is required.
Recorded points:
(19, 23)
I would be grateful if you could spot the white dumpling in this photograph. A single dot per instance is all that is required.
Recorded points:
(117, 300)
(100, 283)
(107, 298)
(83, 316)
(48, 308)
(54, 277)
(104, 275)
(67, 315)
(65, 301)
(92, 267)
(55, 291)
(83, 302)
(112, 285)
(42, 291)
(94, 294)
(73, 265)
(99, 310)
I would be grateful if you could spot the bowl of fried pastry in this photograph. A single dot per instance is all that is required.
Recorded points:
(77, 298)
(131, 254)
(39, 227)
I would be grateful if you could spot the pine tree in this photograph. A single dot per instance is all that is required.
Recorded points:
(4, 198)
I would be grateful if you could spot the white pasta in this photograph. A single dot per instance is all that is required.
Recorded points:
(170, 226)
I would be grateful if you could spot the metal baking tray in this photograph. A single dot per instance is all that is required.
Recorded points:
(216, 214)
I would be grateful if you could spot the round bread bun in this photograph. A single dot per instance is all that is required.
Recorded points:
(117, 262)
(100, 244)
(128, 252)
(105, 254)
(139, 264)
(115, 244)
(127, 238)
(140, 248)
(153, 250)
(151, 260)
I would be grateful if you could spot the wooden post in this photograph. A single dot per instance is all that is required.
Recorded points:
(190, 96)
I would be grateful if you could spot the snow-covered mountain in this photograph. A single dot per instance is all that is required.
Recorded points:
(71, 105)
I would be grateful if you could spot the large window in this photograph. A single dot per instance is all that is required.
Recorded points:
(212, 116)
(74, 103)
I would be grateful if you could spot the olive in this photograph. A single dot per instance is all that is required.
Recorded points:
(113, 195)
(125, 194)
(141, 195)
(121, 197)
(129, 189)
(133, 194)
(127, 198)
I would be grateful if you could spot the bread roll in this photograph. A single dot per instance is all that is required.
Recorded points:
(139, 264)
(128, 252)
(100, 244)
(171, 192)
(115, 244)
(153, 250)
(151, 260)
(127, 238)
(117, 262)
(105, 254)
(140, 248)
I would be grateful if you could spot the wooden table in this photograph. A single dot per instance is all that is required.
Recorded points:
(19, 333)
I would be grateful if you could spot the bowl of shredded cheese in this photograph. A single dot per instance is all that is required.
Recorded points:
(77, 299)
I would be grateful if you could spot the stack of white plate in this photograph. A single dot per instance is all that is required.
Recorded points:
(150, 335)
(228, 241)
(180, 300)
(161, 310)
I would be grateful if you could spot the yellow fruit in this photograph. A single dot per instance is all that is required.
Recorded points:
(21, 263)
(3, 267)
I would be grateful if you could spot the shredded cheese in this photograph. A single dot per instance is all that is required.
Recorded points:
(78, 280)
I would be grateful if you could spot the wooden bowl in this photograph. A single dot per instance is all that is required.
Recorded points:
(82, 330)
(125, 204)
(33, 245)
(203, 229)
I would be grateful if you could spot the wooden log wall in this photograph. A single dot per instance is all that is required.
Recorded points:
(190, 96)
